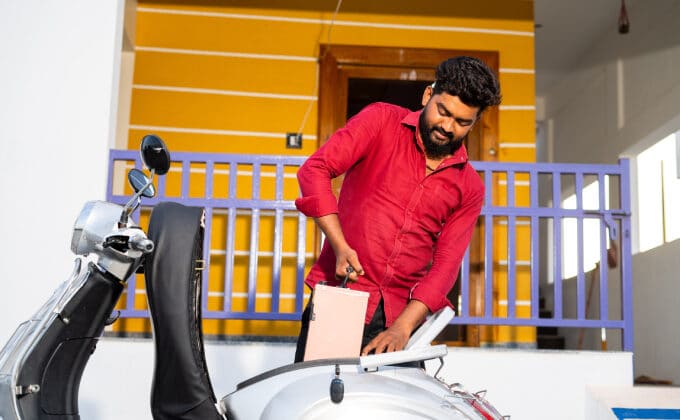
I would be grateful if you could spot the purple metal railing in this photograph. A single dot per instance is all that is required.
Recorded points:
(614, 219)
(231, 204)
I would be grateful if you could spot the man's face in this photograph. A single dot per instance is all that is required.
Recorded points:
(444, 123)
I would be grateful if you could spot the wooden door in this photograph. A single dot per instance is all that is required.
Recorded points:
(339, 63)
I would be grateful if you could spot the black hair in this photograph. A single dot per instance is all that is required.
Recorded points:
(470, 79)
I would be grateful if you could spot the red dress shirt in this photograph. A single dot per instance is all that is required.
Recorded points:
(409, 230)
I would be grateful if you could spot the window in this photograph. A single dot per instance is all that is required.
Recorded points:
(658, 197)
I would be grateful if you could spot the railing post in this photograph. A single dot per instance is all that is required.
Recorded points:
(535, 238)
(626, 252)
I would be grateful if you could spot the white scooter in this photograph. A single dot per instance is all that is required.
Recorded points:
(42, 364)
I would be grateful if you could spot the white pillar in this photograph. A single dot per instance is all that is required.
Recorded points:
(59, 71)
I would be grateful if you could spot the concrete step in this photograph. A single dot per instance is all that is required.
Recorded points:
(632, 402)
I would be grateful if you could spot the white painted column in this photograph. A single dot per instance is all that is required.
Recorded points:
(59, 71)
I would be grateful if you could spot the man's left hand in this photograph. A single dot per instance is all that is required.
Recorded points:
(396, 336)
(392, 339)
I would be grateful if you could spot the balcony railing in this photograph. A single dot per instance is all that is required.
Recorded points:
(250, 215)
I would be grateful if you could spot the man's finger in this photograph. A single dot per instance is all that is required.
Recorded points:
(372, 345)
(341, 270)
(383, 348)
(353, 275)
(356, 265)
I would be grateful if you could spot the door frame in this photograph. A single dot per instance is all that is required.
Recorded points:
(338, 63)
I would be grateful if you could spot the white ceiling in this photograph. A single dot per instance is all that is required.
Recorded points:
(565, 30)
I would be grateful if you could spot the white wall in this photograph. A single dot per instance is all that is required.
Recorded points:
(58, 74)
(624, 88)
(623, 95)
(528, 385)
(656, 290)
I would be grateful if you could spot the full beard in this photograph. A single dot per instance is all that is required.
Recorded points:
(435, 150)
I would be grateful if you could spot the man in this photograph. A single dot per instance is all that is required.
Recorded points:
(408, 204)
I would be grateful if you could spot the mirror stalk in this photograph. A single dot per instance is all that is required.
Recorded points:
(129, 205)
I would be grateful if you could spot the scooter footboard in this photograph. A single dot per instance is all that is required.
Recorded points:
(181, 387)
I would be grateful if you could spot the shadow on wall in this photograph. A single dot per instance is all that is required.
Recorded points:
(589, 338)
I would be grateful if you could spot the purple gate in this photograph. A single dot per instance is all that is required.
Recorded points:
(544, 211)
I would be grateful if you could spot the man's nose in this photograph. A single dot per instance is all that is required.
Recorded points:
(448, 125)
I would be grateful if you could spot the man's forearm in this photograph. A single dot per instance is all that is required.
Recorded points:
(345, 256)
(330, 226)
(411, 317)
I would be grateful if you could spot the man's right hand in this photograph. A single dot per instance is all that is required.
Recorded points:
(345, 259)
(345, 255)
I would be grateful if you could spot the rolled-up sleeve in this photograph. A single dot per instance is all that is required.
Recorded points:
(319, 202)
(342, 150)
(452, 243)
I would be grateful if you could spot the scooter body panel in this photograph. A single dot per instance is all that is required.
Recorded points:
(390, 393)
(41, 366)
(27, 336)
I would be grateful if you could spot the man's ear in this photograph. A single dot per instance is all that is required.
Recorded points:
(427, 94)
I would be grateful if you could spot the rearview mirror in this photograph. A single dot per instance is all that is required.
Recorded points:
(155, 155)
(138, 181)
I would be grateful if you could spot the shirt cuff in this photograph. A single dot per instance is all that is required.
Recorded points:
(317, 205)
(432, 299)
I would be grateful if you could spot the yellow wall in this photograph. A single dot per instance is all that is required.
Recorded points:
(235, 76)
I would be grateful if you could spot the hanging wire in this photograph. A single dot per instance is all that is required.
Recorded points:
(316, 78)
(330, 28)
(624, 23)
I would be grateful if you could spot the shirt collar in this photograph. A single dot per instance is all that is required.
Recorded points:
(411, 119)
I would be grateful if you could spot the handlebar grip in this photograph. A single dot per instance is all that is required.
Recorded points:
(141, 243)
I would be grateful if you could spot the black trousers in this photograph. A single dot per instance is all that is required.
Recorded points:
(371, 330)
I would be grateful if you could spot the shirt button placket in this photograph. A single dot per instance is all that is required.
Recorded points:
(408, 220)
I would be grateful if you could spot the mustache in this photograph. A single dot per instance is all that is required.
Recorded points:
(443, 132)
